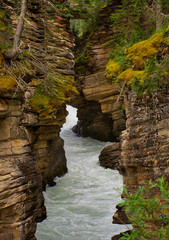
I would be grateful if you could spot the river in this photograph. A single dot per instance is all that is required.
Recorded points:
(81, 205)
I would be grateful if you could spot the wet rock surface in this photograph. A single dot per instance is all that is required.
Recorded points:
(110, 156)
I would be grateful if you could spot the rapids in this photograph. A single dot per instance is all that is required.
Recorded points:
(81, 205)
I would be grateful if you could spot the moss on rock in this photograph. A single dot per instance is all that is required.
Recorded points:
(7, 83)
(129, 74)
(42, 104)
(146, 61)
(47, 103)
(143, 51)
(113, 68)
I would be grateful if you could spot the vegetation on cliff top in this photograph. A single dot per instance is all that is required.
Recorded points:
(144, 65)
(7, 81)
(139, 57)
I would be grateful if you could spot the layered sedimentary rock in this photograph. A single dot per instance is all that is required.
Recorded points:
(110, 155)
(21, 199)
(100, 112)
(31, 151)
(145, 142)
(142, 153)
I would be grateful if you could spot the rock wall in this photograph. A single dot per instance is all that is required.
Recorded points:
(100, 113)
(21, 199)
(142, 153)
(31, 150)
(145, 142)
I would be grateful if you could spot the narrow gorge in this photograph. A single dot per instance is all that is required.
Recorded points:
(109, 59)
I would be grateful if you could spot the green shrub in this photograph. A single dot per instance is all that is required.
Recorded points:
(148, 210)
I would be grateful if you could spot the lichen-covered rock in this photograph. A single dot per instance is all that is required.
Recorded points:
(141, 60)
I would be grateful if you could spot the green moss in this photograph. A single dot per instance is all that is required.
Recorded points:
(50, 96)
(82, 59)
(2, 26)
(2, 15)
(146, 69)
(143, 51)
(113, 68)
(7, 83)
(5, 29)
(62, 62)
(42, 104)
(129, 75)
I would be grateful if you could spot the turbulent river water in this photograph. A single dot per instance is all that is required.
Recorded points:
(81, 205)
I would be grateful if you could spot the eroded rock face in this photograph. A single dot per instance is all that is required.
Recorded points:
(100, 111)
(31, 150)
(110, 155)
(144, 144)
(21, 199)
(31, 156)
(47, 146)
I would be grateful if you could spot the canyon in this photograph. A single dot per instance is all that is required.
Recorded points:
(31, 149)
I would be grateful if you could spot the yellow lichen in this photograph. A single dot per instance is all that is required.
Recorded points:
(113, 68)
(35, 82)
(7, 83)
(129, 74)
(140, 59)
(142, 51)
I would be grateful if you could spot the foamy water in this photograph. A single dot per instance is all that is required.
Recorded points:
(81, 205)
